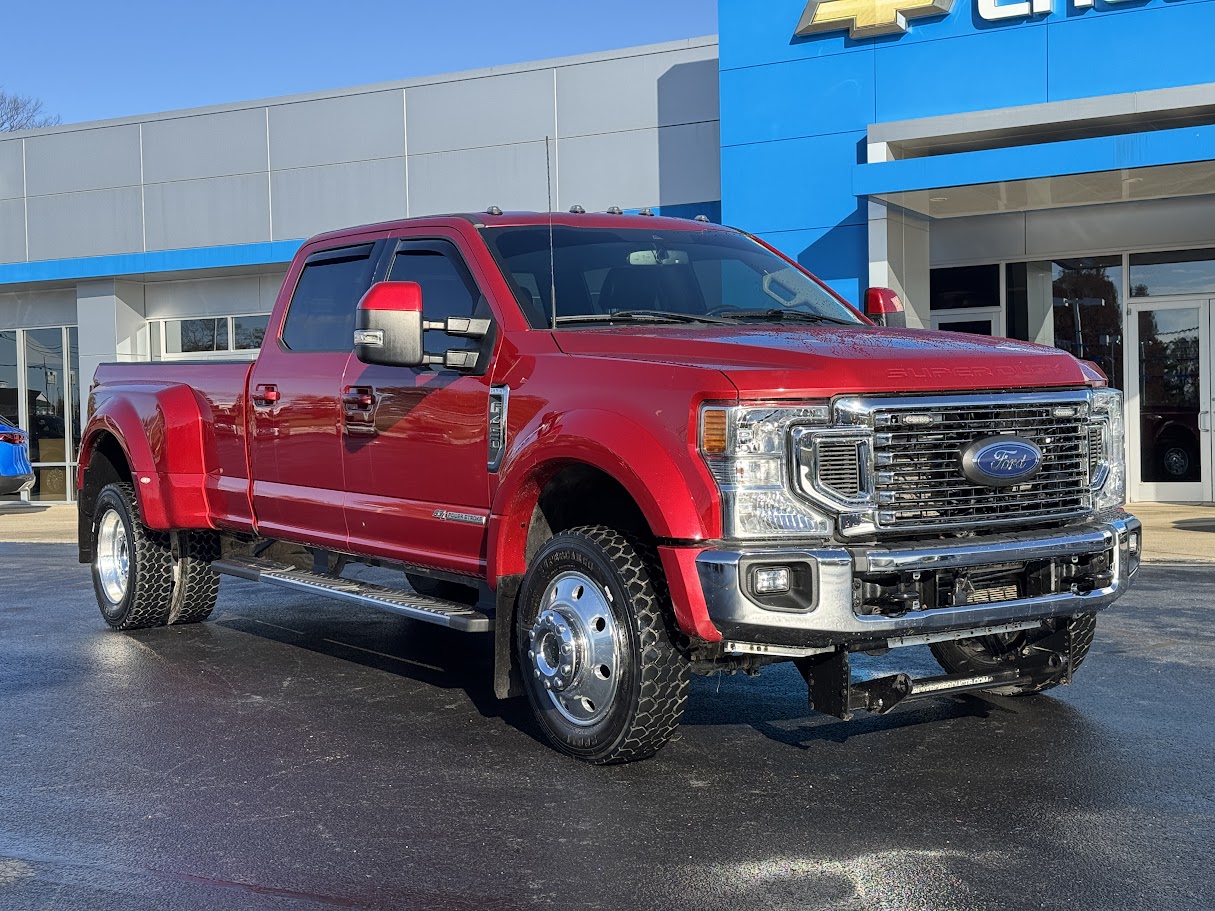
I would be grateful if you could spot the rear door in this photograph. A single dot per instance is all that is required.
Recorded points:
(295, 443)
(416, 440)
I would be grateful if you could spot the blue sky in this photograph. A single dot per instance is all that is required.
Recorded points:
(95, 60)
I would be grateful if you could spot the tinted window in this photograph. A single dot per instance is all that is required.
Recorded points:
(1183, 272)
(447, 287)
(321, 317)
(598, 272)
(250, 330)
(964, 288)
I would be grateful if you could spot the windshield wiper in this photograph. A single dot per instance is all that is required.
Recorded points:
(641, 316)
(777, 314)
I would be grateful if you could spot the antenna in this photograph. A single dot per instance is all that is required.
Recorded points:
(552, 258)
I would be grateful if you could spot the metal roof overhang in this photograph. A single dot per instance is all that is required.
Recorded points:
(1147, 146)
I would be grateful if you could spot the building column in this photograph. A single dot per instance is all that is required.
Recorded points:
(898, 258)
(113, 327)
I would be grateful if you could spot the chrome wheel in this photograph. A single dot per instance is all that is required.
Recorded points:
(574, 648)
(113, 560)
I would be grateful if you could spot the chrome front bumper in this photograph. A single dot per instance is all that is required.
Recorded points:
(832, 579)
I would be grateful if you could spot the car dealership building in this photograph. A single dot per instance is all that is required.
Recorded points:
(1038, 169)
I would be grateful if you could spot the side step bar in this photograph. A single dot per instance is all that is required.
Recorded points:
(451, 614)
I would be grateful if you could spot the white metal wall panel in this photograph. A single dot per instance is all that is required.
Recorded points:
(665, 166)
(90, 159)
(12, 180)
(270, 284)
(637, 93)
(32, 309)
(208, 145)
(85, 224)
(509, 176)
(1113, 228)
(207, 213)
(12, 230)
(203, 297)
(308, 201)
(495, 110)
(337, 130)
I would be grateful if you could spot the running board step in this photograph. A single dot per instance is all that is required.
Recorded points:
(451, 614)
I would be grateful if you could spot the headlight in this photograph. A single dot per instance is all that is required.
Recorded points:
(1108, 462)
(744, 448)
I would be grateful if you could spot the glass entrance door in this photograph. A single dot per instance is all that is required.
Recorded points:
(1169, 405)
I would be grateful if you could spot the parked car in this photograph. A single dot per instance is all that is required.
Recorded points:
(16, 474)
(630, 449)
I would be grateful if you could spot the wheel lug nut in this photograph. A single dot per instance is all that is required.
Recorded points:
(562, 629)
(566, 649)
(548, 684)
(566, 669)
(537, 673)
(531, 653)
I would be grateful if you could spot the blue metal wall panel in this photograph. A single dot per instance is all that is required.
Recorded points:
(996, 69)
(1076, 156)
(842, 99)
(784, 186)
(1155, 47)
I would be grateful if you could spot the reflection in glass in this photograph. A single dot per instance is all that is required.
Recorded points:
(1073, 304)
(46, 395)
(8, 376)
(1175, 273)
(249, 331)
(1169, 383)
(51, 483)
(194, 336)
(965, 288)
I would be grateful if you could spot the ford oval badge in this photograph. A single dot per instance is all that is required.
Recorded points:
(1001, 461)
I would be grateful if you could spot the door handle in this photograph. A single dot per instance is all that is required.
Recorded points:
(1204, 421)
(358, 409)
(266, 395)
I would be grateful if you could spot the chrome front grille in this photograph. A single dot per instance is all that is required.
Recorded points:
(838, 467)
(919, 482)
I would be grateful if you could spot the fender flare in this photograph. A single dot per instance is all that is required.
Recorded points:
(676, 504)
(161, 430)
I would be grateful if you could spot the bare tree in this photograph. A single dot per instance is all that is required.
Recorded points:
(21, 112)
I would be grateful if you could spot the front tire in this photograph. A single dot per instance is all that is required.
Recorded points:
(602, 665)
(132, 565)
(985, 654)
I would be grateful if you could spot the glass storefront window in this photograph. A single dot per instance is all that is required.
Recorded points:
(216, 336)
(1173, 274)
(965, 288)
(40, 392)
(1170, 378)
(1073, 304)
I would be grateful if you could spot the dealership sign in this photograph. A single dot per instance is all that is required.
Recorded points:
(866, 18)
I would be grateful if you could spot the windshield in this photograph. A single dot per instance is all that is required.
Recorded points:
(659, 276)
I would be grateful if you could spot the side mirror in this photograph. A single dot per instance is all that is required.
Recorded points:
(389, 330)
(885, 307)
(388, 327)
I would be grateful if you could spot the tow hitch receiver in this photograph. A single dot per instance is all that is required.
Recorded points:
(834, 692)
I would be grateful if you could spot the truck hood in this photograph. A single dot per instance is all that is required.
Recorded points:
(820, 361)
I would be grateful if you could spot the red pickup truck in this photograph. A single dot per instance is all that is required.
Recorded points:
(631, 449)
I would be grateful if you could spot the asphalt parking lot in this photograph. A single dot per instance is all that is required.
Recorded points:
(295, 753)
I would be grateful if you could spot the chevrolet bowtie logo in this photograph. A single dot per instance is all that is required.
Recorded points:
(867, 18)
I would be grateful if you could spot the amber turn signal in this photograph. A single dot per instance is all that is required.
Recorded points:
(713, 433)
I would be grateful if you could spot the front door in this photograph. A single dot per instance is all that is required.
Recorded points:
(295, 440)
(1169, 401)
(416, 440)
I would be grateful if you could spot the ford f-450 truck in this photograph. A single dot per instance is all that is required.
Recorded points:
(630, 449)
